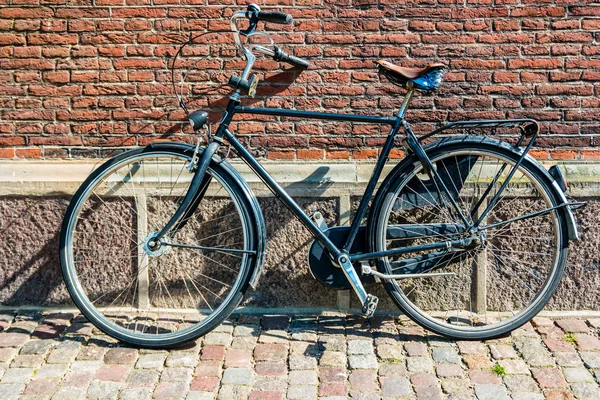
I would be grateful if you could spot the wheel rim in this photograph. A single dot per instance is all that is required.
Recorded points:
(477, 299)
(161, 294)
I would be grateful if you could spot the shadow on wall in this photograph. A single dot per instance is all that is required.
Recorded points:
(31, 273)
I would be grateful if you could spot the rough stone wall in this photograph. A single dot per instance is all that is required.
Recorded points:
(79, 78)
(31, 276)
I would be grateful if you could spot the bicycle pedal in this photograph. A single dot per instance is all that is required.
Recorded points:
(370, 305)
(318, 219)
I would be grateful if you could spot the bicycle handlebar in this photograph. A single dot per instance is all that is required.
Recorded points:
(254, 15)
(274, 17)
(280, 55)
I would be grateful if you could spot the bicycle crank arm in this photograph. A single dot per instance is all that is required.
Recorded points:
(368, 301)
(367, 270)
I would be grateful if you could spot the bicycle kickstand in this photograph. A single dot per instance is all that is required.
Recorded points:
(369, 302)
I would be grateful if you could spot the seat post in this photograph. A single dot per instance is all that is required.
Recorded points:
(406, 101)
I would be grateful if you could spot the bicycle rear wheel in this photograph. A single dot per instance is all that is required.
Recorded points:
(512, 267)
(156, 296)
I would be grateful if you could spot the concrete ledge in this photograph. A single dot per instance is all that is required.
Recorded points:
(313, 178)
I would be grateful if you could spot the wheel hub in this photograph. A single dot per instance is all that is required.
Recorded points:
(154, 248)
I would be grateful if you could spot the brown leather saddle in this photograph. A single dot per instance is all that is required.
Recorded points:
(427, 78)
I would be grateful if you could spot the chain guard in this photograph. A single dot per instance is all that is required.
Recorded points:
(322, 267)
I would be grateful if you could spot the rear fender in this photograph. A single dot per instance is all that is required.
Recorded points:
(408, 164)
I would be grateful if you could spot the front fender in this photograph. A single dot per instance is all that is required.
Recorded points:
(257, 215)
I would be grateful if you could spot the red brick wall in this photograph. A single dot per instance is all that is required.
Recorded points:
(78, 80)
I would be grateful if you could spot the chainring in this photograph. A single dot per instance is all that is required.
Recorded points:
(322, 267)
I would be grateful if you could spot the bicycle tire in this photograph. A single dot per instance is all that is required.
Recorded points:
(462, 323)
(89, 271)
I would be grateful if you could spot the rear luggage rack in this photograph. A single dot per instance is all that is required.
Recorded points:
(529, 128)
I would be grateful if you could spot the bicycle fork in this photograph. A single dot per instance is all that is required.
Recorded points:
(194, 195)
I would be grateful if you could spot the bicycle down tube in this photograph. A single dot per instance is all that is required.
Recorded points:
(280, 192)
(396, 124)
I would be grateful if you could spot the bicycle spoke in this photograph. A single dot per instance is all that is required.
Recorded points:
(495, 282)
(151, 288)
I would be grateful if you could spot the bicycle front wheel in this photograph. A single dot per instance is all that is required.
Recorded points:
(507, 271)
(156, 296)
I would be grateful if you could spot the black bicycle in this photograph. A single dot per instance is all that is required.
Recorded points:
(468, 234)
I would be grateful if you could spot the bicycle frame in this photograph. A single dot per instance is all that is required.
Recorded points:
(279, 192)
(396, 124)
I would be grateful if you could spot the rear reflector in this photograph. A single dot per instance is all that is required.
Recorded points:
(558, 176)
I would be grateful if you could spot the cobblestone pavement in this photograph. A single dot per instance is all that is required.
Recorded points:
(61, 356)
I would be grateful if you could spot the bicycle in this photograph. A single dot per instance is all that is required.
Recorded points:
(468, 234)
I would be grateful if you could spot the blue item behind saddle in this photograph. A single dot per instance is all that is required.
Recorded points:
(430, 80)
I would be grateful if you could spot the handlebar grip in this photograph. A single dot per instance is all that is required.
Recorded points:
(274, 17)
(281, 55)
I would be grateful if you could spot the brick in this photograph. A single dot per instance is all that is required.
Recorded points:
(270, 352)
(573, 325)
(213, 353)
(548, 377)
(333, 390)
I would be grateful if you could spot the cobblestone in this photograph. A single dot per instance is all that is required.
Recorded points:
(445, 355)
(363, 361)
(360, 347)
(491, 392)
(395, 386)
(419, 364)
(238, 376)
(151, 361)
(103, 390)
(17, 375)
(500, 351)
(303, 377)
(312, 358)
(181, 359)
(573, 325)
(305, 392)
(577, 375)
(11, 390)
